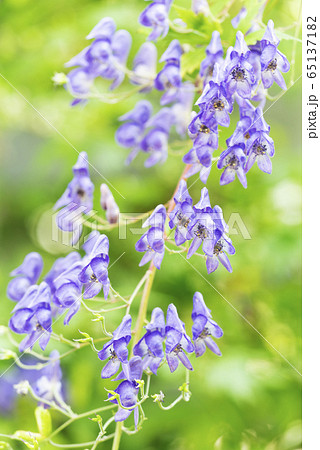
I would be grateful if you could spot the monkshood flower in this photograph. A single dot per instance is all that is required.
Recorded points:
(152, 242)
(233, 162)
(32, 316)
(150, 346)
(215, 103)
(77, 198)
(201, 134)
(182, 108)
(182, 214)
(156, 16)
(94, 274)
(145, 66)
(109, 204)
(204, 327)
(116, 349)
(177, 341)
(205, 229)
(273, 62)
(240, 73)
(155, 142)
(214, 54)
(169, 78)
(129, 134)
(128, 391)
(68, 290)
(48, 384)
(221, 248)
(200, 7)
(200, 160)
(260, 146)
(237, 19)
(26, 275)
(79, 84)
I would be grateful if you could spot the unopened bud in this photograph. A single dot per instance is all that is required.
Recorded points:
(108, 203)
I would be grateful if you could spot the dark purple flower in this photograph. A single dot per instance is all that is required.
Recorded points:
(77, 198)
(220, 250)
(32, 316)
(260, 146)
(150, 346)
(116, 349)
(215, 105)
(201, 134)
(241, 78)
(204, 229)
(128, 391)
(233, 162)
(177, 341)
(156, 16)
(68, 290)
(182, 214)
(273, 62)
(152, 242)
(26, 275)
(204, 327)
(94, 274)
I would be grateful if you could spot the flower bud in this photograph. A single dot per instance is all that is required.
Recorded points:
(108, 203)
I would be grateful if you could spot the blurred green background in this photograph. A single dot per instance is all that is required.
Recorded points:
(251, 397)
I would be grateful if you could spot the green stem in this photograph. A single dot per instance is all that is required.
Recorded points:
(117, 436)
(144, 304)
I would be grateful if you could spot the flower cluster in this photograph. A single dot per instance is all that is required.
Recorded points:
(105, 57)
(202, 225)
(61, 290)
(149, 352)
(238, 78)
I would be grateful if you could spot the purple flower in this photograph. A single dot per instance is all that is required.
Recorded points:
(32, 316)
(79, 84)
(169, 78)
(214, 54)
(105, 29)
(152, 242)
(128, 391)
(233, 162)
(130, 134)
(215, 105)
(116, 349)
(77, 198)
(182, 214)
(150, 346)
(237, 19)
(94, 274)
(203, 229)
(155, 142)
(68, 290)
(273, 62)
(156, 16)
(26, 275)
(201, 134)
(145, 65)
(204, 327)
(48, 384)
(177, 341)
(200, 160)
(220, 250)
(260, 146)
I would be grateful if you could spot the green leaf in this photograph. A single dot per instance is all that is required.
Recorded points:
(5, 446)
(191, 61)
(43, 419)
